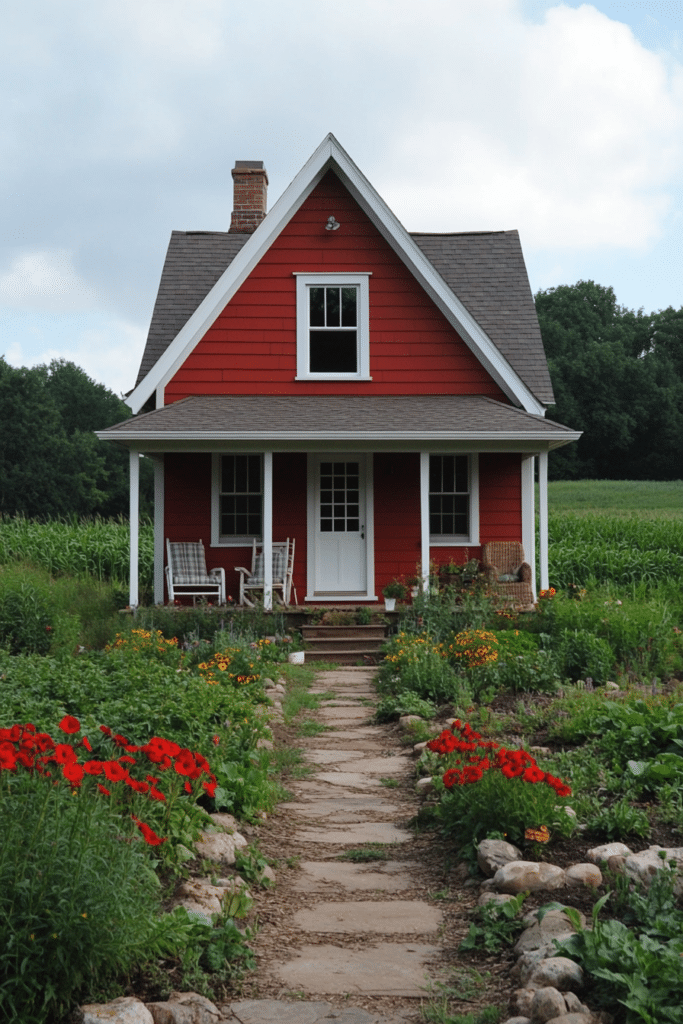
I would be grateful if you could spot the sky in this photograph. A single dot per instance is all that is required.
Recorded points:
(120, 120)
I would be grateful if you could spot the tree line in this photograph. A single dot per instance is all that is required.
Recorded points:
(617, 375)
(51, 463)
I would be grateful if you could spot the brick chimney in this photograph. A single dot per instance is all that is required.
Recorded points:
(250, 196)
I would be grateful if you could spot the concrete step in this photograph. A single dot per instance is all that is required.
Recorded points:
(369, 655)
(374, 632)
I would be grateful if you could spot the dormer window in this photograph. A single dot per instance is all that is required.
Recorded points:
(332, 327)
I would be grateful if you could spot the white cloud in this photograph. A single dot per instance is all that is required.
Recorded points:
(108, 350)
(569, 130)
(45, 280)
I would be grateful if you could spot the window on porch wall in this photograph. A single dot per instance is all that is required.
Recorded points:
(449, 497)
(240, 498)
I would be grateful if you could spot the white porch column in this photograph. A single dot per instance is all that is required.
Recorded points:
(159, 552)
(543, 518)
(268, 530)
(529, 516)
(134, 516)
(424, 518)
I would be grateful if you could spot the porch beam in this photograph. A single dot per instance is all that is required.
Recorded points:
(424, 518)
(134, 520)
(159, 529)
(268, 530)
(543, 518)
(529, 516)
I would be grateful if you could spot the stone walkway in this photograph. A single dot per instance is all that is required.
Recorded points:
(358, 930)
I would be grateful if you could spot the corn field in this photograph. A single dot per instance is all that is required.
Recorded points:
(71, 547)
(614, 549)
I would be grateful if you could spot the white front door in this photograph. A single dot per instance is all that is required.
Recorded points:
(339, 532)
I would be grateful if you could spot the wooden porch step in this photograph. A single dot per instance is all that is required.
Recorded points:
(344, 645)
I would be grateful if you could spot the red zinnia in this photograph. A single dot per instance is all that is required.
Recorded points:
(8, 758)
(64, 754)
(156, 794)
(148, 834)
(114, 771)
(74, 773)
(69, 724)
(533, 774)
(103, 789)
(92, 767)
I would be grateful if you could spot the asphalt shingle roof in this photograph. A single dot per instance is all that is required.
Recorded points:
(485, 270)
(323, 416)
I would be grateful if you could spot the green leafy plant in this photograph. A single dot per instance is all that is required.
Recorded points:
(618, 821)
(496, 925)
(365, 854)
(405, 703)
(487, 788)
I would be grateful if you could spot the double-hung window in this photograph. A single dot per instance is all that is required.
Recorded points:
(237, 513)
(332, 316)
(453, 499)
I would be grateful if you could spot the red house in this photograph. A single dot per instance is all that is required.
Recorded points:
(317, 372)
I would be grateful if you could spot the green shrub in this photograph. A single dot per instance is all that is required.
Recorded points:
(25, 621)
(530, 673)
(77, 898)
(405, 703)
(415, 663)
(585, 655)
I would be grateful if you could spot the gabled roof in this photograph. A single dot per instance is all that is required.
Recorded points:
(478, 280)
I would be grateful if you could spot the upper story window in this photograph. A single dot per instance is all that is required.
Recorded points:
(332, 327)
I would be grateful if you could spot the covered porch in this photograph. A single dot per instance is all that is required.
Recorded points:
(371, 487)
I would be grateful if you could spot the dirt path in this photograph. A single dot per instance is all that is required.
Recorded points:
(349, 941)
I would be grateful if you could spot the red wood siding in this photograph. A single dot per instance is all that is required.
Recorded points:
(251, 348)
(396, 505)
(187, 511)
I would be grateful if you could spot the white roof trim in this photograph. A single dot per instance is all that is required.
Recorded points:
(330, 154)
(266, 436)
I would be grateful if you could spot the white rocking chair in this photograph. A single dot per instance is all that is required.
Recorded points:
(186, 574)
(251, 580)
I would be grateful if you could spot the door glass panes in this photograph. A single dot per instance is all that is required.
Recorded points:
(449, 498)
(241, 498)
(333, 336)
(339, 497)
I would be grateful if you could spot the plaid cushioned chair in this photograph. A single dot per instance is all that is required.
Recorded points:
(251, 580)
(508, 573)
(186, 574)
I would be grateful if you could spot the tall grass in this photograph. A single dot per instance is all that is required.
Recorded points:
(98, 548)
(623, 550)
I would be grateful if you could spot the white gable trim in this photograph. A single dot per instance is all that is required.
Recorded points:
(330, 154)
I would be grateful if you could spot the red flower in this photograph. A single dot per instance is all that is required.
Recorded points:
(106, 730)
(64, 754)
(215, 740)
(126, 759)
(73, 773)
(103, 789)
(451, 777)
(120, 741)
(148, 834)
(156, 794)
(69, 724)
(139, 787)
(8, 757)
(209, 788)
(114, 771)
(533, 774)
(86, 743)
(188, 787)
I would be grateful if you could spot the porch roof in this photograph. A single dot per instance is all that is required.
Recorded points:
(205, 422)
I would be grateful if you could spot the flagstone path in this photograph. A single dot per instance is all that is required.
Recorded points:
(353, 942)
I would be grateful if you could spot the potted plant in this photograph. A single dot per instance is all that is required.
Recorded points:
(394, 591)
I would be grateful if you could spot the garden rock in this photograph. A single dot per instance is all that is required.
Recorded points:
(518, 1020)
(555, 972)
(493, 854)
(405, 722)
(124, 1010)
(185, 1008)
(498, 899)
(603, 853)
(517, 876)
(643, 866)
(424, 786)
(546, 1004)
(584, 874)
(520, 1002)
(542, 934)
(220, 845)
(197, 892)
(574, 1004)
(419, 748)
(572, 1018)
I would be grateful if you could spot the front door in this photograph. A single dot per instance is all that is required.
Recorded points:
(340, 511)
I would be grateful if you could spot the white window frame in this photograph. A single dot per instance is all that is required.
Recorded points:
(243, 540)
(459, 539)
(303, 283)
